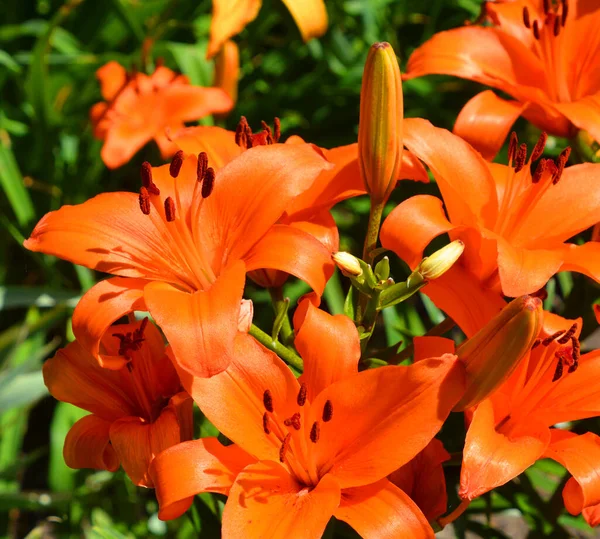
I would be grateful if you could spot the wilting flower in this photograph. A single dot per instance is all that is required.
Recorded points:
(139, 108)
(230, 17)
(514, 220)
(307, 449)
(544, 54)
(136, 411)
(181, 248)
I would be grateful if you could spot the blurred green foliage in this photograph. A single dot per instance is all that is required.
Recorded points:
(49, 52)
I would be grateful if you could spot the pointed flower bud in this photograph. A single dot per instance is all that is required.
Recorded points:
(380, 126)
(494, 352)
(441, 261)
(349, 264)
(227, 70)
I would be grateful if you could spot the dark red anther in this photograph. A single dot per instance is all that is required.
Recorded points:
(327, 411)
(536, 343)
(267, 132)
(139, 332)
(266, 424)
(526, 19)
(546, 6)
(131, 342)
(262, 138)
(539, 170)
(512, 146)
(202, 166)
(565, 12)
(560, 164)
(209, 182)
(144, 201)
(536, 30)
(243, 132)
(553, 337)
(146, 174)
(521, 157)
(315, 432)
(573, 367)
(277, 129)
(558, 371)
(557, 26)
(301, 400)
(567, 336)
(284, 447)
(293, 421)
(169, 210)
(538, 149)
(175, 165)
(576, 348)
(268, 400)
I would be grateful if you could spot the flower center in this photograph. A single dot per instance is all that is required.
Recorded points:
(245, 139)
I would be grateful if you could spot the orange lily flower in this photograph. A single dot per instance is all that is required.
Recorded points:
(310, 211)
(514, 220)
(230, 17)
(543, 55)
(181, 248)
(136, 412)
(139, 108)
(307, 449)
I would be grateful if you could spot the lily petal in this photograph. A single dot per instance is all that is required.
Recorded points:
(382, 510)
(310, 17)
(87, 445)
(184, 470)
(229, 18)
(218, 143)
(583, 113)
(426, 347)
(187, 103)
(112, 77)
(266, 501)
(321, 225)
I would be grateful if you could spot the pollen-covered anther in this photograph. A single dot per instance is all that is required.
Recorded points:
(293, 421)
(536, 343)
(565, 12)
(576, 348)
(327, 411)
(169, 210)
(131, 341)
(546, 6)
(512, 146)
(144, 201)
(539, 170)
(558, 371)
(521, 157)
(208, 183)
(243, 132)
(268, 400)
(276, 129)
(301, 400)
(560, 164)
(268, 132)
(284, 447)
(146, 174)
(526, 19)
(553, 337)
(175, 165)
(202, 166)
(567, 336)
(536, 30)
(265, 421)
(315, 432)
(557, 26)
(538, 149)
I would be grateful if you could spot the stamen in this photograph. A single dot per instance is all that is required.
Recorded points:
(556, 26)
(266, 423)
(144, 201)
(146, 174)
(209, 182)
(536, 343)
(512, 146)
(538, 149)
(169, 210)
(553, 337)
(546, 6)
(301, 400)
(565, 12)
(559, 370)
(539, 170)
(131, 342)
(243, 132)
(268, 400)
(202, 166)
(277, 129)
(560, 164)
(526, 19)
(293, 421)
(315, 432)
(139, 333)
(576, 348)
(175, 165)
(267, 130)
(327, 411)
(521, 157)
(284, 447)
(567, 336)
(536, 30)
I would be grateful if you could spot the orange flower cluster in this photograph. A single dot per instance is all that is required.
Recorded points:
(315, 433)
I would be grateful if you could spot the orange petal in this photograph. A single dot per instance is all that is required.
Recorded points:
(583, 259)
(426, 347)
(266, 501)
(461, 173)
(310, 17)
(491, 459)
(184, 470)
(218, 143)
(484, 122)
(329, 346)
(87, 445)
(293, 251)
(411, 225)
(123, 140)
(423, 480)
(227, 69)
(187, 103)
(321, 225)
(382, 510)
(200, 326)
(229, 18)
(375, 429)
(583, 113)
(102, 306)
(242, 387)
(112, 77)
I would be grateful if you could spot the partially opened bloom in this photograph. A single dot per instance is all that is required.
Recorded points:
(230, 17)
(514, 220)
(543, 54)
(181, 248)
(139, 108)
(307, 449)
(136, 412)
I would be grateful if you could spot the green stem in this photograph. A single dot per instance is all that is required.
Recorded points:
(279, 304)
(282, 351)
(372, 230)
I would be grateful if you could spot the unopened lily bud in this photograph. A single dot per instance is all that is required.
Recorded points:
(227, 70)
(494, 352)
(348, 264)
(441, 261)
(380, 126)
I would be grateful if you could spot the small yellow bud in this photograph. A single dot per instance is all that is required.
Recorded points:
(494, 352)
(349, 264)
(380, 126)
(441, 261)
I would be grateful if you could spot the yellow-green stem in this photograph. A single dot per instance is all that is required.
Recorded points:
(282, 351)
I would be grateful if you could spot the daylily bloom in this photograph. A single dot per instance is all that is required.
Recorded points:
(139, 108)
(230, 17)
(136, 412)
(310, 211)
(543, 54)
(514, 220)
(181, 248)
(307, 449)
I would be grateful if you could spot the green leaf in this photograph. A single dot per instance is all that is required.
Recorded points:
(192, 61)
(11, 181)
(12, 297)
(22, 390)
(334, 294)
